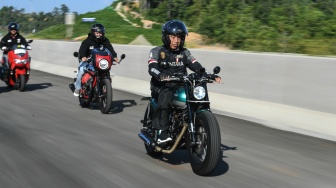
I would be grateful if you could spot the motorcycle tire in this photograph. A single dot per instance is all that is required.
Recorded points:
(147, 123)
(205, 156)
(105, 100)
(22, 82)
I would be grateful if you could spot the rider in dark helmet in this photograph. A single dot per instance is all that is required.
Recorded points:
(163, 62)
(174, 27)
(13, 37)
(95, 38)
(100, 29)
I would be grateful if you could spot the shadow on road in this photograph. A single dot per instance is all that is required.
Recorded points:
(222, 166)
(118, 106)
(33, 87)
(181, 157)
(29, 87)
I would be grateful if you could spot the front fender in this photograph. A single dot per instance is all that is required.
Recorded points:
(20, 71)
(202, 110)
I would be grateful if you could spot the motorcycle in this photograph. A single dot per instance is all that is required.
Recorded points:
(18, 70)
(96, 81)
(192, 125)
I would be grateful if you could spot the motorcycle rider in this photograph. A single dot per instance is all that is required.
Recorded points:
(163, 62)
(95, 38)
(11, 38)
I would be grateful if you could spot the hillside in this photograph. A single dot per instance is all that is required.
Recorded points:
(122, 27)
(118, 30)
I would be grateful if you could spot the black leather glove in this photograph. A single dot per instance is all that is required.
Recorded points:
(213, 76)
(163, 75)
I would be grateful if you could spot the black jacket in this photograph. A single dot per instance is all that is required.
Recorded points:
(178, 62)
(90, 43)
(9, 40)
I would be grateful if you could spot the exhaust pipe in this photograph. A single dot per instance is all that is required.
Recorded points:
(149, 141)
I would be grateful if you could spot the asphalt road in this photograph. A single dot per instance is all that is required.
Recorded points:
(48, 140)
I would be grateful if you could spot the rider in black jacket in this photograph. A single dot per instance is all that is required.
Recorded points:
(13, 37)
(163, 62)
(94, 40)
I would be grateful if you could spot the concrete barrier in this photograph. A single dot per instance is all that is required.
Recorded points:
(288, 92)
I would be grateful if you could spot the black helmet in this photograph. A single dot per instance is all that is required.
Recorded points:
(13, 26)
(98, 28)
(173, 27)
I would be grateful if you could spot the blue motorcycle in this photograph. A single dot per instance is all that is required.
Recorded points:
(192, 125)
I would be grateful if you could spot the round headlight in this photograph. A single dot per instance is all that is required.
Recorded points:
(103, 64)
(199, 92)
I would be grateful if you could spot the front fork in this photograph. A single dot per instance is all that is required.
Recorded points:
(192, 115)
(99, 78)
(191, 119)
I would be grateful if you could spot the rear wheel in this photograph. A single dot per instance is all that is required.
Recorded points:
(147, 125)
(105, 100)
(22, 82)
(206, 154)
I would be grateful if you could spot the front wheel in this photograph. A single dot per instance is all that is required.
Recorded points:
(206, 154)
(105, 100)
(22, 82)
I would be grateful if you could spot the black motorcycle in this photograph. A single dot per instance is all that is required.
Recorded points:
(192, 125)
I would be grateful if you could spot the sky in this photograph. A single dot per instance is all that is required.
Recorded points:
(79, 6)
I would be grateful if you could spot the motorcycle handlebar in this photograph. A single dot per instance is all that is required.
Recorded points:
(171, 79)
(209, 78)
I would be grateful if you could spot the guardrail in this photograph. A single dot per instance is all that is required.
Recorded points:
(286, 91)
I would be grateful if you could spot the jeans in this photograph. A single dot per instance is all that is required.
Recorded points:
(5, 58)
(81, 69)
(161, 114)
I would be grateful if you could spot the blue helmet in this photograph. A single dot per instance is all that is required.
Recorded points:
(173, 27)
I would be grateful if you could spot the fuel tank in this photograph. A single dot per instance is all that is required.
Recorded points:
(179, 97)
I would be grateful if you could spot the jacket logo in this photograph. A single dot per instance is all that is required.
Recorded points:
(176, 64)
(163, 55)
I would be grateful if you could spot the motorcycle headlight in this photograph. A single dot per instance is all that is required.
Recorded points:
(199, 92)
(103, 64)
(21, 61)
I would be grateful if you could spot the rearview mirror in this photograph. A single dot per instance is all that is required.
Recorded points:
(75, 54)
(216, 70)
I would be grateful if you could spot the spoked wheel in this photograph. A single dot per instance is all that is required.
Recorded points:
(147, 124)
(206, 154)
(22, 82)
(105, 100)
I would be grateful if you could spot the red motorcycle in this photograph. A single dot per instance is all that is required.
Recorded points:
(18, 71)
(96, 81)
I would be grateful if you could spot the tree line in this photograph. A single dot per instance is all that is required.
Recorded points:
(31, 22)
(298, 26)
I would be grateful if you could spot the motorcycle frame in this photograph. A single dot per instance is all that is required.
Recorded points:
(193, 107)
